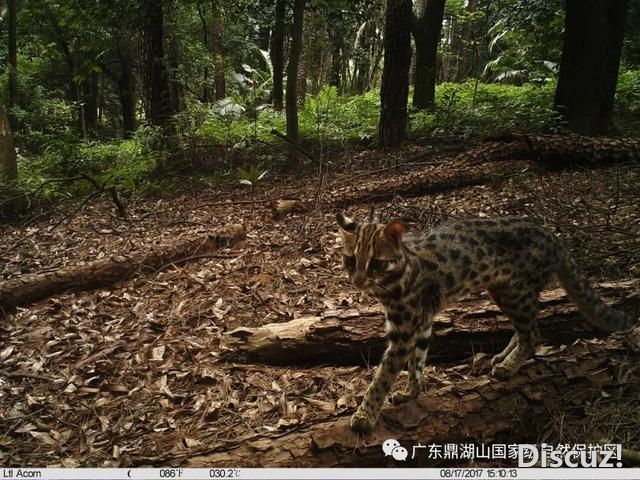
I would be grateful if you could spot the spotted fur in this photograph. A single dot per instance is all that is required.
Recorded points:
(414, 277)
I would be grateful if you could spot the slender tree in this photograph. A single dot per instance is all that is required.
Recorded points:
(335, 30)
(277, 54)
(127, 90)
(395, 74)
(465, 50)
(305, 59)
(590, 60)
(426, 27)
(217, 31)
(12, 14)
(157, 92)
(292, 87)
(206, 95)
(90, 93)
(118, 63)
(8, 158)
(362, 53)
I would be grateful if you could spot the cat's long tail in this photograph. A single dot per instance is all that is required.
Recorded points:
(582, 294)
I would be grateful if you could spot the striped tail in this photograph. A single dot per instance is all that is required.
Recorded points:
(581, 293)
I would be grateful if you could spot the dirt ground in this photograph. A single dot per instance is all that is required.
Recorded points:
(129, 375)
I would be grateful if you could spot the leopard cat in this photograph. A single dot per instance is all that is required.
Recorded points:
(415, 276)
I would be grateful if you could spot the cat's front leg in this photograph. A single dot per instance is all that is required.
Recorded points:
(416, 365)
(367, 414)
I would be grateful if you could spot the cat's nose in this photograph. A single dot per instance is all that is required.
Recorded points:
(359, 280)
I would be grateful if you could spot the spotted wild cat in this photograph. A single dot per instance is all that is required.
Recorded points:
(415, 276)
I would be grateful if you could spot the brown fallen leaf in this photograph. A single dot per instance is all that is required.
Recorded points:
(43, 437)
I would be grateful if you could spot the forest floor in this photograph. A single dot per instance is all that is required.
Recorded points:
(129, 375)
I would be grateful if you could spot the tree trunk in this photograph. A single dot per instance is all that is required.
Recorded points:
(426, 34)
(305, 59)
(362, 54)
(156, 86)
(206, 95)
(8, 157)
(90, 94)
(481, 43)
(264, 37)
(277, 55)
(377, 50)
(466, 47)
(589, 66)
(174, 61)
(127, 91)
(12, 60)
(218, 56)
(336, 37)
(395, 74)
(292, 87)
(31, 288)
(336, 64)
(474, 408)
(357, 337)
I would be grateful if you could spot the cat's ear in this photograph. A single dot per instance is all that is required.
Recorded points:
(393, 231)
(346, 224)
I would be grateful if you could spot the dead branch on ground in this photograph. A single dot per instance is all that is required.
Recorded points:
(33, 287)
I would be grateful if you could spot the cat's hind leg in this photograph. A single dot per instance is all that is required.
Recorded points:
(513, 343)
(521, 306)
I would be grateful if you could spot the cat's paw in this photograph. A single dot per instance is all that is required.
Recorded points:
(401, 397)
(501, 372)
(497, 359)
(362, 423)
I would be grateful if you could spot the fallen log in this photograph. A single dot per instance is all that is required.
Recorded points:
(356, 336)
(473, 409)
(33, 287)
(434, 179)
(499, 158)
(555, 148)
(496, 159)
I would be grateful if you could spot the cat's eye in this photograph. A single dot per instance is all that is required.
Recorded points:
(377, 265)
(349, 262)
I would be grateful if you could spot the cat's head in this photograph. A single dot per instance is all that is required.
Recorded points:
(371, 250)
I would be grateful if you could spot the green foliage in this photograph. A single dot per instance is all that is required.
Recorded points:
(525, 41)
(255, 84)
(628, 91)
(127, 165)
(251, 176)
(14, 201)
(325, 118)
(631, 44)
(330, 118)
(627, 102)
(464, 112)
